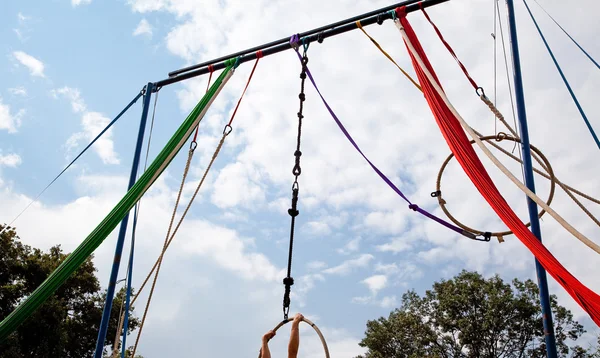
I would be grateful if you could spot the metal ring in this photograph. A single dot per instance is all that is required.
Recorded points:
(535, 150)
(314, 326)
(227, 129)
(482, 91)
(193, 145)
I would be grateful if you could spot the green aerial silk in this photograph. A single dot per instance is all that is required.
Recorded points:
(81, 253)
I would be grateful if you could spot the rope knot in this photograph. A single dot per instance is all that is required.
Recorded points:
(288, 281)
(414, 207)
(259, 54)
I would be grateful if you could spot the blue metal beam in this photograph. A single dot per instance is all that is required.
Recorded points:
(529, 181)
(123, 229)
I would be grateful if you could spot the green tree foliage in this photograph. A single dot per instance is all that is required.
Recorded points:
(67, 324)
(470, 316)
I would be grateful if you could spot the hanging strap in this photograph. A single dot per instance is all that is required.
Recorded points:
(411, 206)
(259, 55)
(211, 69)
(96, 237)
(437, 31)
(453, 127)
(170, 236)
(481, 94)
(359, 25)
(578, 235)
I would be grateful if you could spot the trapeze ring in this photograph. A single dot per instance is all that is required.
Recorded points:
(314, 326)
(500, 137)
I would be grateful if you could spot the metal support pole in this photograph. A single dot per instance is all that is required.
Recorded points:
(123, 229)
(529, 181)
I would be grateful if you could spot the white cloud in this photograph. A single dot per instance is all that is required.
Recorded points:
(18, 91)
(143, 28)
(237, 184)
(148, 5)
(375, 283)
(318, 227)
(35, 66)
(316, 265)
(23, 28)
(92, 123)
(22, 18)
(303, 285)
(349, 265)
(8, 120)
(386, 269)
(230, 251)
(388, 302)
(19, 34)
(73, 95)
(10, 160)
(352, 246)
(75, 3)
(396, 245)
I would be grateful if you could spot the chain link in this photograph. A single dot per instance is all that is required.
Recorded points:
(297, 170)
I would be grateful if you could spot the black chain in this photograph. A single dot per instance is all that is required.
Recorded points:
(293, 211)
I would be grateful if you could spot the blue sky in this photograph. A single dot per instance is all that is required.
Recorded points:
(69, 67)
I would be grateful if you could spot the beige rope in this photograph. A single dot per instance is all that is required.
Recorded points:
(314, 326)
(567, 189)
(168, 242)
(500, 137)
(185, 173)
(115, 353)
(491, 156)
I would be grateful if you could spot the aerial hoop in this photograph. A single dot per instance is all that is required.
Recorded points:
(310, 323)
(499, 234)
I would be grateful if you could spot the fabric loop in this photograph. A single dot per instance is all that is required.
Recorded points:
(453, 127)
(294, 41)
(401, 12)
(381, 175)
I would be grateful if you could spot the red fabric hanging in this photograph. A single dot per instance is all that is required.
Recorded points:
(465, 154)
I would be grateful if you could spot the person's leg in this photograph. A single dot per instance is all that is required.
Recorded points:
(295, 337)
(264, 350)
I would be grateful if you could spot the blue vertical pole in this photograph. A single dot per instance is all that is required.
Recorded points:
(123, 229)
(529, 181)
(129, 279)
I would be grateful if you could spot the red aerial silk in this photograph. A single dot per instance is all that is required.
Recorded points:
(465, 154)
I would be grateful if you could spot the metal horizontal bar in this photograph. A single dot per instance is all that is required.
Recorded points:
(283, 44)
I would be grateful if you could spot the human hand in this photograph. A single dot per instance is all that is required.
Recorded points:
(268, 336)
(298, 318)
